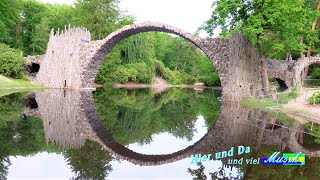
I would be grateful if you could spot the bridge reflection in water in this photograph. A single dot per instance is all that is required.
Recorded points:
(70, 117)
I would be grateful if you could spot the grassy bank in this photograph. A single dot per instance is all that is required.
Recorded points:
(14, 84)
(276, 100)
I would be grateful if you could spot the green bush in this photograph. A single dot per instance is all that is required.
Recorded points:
(315, 74)
(315, 98)
(139, 72)
(210, 80)
(120, 75)
(180, 77)
(11, 62)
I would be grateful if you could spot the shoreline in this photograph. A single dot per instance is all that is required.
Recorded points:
(131, 86)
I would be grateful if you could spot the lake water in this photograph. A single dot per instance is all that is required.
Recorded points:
(144, 134)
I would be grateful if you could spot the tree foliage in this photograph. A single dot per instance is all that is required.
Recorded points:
(275, 27)
(11, 62)
(141, 57)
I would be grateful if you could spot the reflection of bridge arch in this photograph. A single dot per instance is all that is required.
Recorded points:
(101, 135)
(297, 147)
(70, 117)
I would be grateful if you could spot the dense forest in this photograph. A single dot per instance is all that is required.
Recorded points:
(25, 27)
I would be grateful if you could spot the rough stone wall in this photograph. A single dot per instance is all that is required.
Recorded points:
(61, 65)
(242, 71)
(35, 59)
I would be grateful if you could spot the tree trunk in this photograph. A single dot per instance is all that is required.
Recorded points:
(264, 74)
(301, 53)
(313, 27)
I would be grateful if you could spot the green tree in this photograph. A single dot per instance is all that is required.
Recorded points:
(275, 27)
(11, 62)
(40, 37)
(98, 16)
(33, 11)
(9, 21)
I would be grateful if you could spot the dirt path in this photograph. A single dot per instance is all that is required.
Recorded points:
(300, 107)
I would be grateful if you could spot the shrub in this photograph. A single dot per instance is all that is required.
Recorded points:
(315, 98)
(11, 62)
(120, 75)
(315, 74)
(139, 72)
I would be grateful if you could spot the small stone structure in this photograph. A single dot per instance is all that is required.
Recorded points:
(72, 60)
(290, 72)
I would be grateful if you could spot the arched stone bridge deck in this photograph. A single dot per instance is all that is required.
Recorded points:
(72, 60)
(70, 117)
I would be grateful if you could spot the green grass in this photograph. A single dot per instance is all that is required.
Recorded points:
(258, 102)
(263, 103)
(7, 92)
(315, 98)
(8, 83)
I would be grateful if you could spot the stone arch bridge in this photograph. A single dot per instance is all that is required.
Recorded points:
(290, 73)
(70, 117)
(72, 60)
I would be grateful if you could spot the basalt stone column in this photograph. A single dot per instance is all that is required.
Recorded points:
(60, 67)
(240, 71)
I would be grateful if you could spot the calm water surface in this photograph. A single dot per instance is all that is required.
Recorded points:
(141, 134)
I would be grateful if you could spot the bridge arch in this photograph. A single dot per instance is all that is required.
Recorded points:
(282, 84)
(300, 69)
(212, 48)
(72, 60)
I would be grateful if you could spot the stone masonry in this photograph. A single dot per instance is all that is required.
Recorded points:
(234, 59)
(291, 72)
(72, 60)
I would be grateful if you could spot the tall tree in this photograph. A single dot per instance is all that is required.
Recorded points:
(33, 12)
(40, 37)
(9, 18)
(99, 16)
(275, 27)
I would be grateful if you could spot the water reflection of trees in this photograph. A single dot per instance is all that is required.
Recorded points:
(89, 162)
(26, 137)
(134, 116)
(21, 138)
